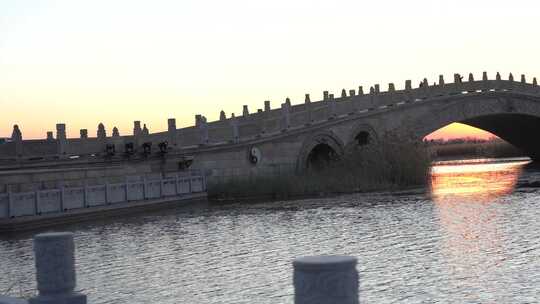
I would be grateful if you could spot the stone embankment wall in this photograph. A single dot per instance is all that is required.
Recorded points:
(133, 188)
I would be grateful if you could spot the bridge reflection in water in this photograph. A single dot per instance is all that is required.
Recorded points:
(467, 196)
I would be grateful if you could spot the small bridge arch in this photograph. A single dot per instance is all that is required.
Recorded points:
(318, 150)
(362, 134)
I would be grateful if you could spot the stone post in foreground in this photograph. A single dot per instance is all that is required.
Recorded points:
(325, 280)
(55, 269)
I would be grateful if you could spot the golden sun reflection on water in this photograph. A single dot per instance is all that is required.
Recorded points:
(478, 181)
(463, 194)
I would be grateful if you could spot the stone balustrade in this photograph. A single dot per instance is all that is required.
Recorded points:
(64, 199)
(250, 126)
(316, 279)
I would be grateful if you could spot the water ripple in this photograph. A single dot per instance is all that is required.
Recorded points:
(460, 246)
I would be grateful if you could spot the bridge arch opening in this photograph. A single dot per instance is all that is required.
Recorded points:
(361, 135)
(319, 150)
(320, 157)
(363, 138)
(484, 136)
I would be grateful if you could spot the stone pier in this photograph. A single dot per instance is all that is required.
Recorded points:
(329, 279)
(55, 269)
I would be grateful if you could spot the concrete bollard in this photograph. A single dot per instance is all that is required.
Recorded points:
(325, 280)
(55, 269)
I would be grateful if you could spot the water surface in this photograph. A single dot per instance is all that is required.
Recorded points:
(472, 237)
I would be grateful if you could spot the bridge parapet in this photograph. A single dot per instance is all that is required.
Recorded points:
(259, 124)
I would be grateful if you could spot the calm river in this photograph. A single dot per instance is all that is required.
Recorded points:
(472, 237)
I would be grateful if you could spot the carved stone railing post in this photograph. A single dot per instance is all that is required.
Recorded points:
(309, 110)
(325, 95)
(16, 137)
(457, 84)
(325, 280)
(510, 83)
(470, 86)
(357, 102)
(61, 140)
(439, 89)
(408, 91)
(332, 106)
(262, 121)
(391, 96)
(137, 131)
(485, 82)
(425, 89)
(101, 137)
(235, 130)
(55, 269)
(203, 129)
(50, 136)
(101, 133)
(498, 81)
(171, 133)
(286, 116)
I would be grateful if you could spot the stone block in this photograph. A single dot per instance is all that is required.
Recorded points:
(28, 187)
(95, 196)
(46, 177)
(116, 193)
(48, 185)
(197, 184)
(10, 300)
(50, 201)
(184, 185)
(23, 204)
(134, 178)
(135, 191)
(325, 280)
(153, 189)
(95, 173)
(4, 205)
(169, 187)
(153, 176)
(71, 175)
(74, 198)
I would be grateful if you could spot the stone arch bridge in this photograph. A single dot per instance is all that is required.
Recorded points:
(291, 137)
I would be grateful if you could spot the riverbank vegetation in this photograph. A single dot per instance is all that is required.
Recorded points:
(473, 148)
(389, 164)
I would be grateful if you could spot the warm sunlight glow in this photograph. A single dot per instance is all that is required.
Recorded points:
(459, 130)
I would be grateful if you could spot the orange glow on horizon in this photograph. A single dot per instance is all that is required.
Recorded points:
(458, 130)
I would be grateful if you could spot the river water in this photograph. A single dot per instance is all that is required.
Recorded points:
(472, 237)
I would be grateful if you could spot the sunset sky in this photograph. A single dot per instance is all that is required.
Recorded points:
(85, 62)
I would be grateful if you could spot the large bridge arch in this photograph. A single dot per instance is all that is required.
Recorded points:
(513, 119)
(322, 146)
